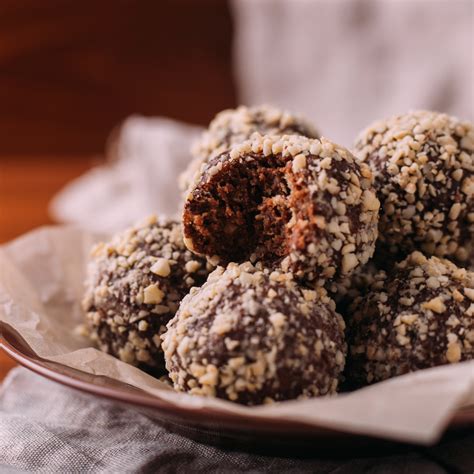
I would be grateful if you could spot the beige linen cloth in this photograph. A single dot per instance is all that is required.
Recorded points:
(346, 63)
(48, 428)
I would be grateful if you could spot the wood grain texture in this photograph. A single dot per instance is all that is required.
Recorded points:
(70, 71)
(6, 364)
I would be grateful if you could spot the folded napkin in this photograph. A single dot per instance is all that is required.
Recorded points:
(48, 428)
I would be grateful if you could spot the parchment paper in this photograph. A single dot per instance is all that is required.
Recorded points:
(41, 278)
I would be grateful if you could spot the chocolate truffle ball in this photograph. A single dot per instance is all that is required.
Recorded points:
(420, 315)
(134, 286)
(305, 204)
(424, 175)
(233, 126)
(254, 336)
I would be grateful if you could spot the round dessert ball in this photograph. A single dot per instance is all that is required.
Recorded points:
(420, 315)
(233, 126)
(254, 336)
(305, 204)
(424, 175)
(134, 285)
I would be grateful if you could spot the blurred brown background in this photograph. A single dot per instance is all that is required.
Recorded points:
(70, 71)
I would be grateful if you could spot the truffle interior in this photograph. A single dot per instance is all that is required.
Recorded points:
(242, 210)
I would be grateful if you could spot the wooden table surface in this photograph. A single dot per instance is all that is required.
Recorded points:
(27, 184)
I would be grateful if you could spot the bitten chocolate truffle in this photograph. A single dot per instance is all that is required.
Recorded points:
(233, 126)
(419, 316)
(134, 286)
(424, 175)
(254, 336)
(305, 204)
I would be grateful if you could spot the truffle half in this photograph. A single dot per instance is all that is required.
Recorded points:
(423, 166)
(253, 336)
(233, 126)
(134, 286)
(306, 204)
(420, 315)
